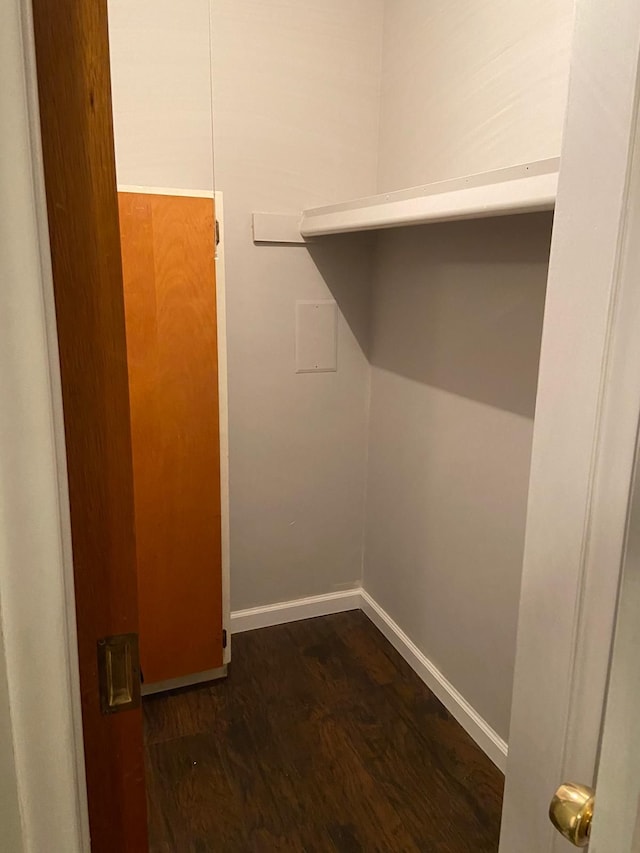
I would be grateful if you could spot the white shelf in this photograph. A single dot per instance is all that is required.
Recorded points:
(516, 189)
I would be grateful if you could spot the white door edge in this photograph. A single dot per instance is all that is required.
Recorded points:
(223, 405)
(584, 434)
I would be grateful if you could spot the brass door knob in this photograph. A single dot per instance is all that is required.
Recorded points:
(571, 812)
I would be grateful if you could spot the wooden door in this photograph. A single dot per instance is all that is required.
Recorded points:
(77, 137)
(168, 255)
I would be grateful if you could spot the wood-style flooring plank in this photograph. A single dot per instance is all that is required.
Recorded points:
(321, 739)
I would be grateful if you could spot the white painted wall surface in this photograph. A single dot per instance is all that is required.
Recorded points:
(457, 321)
(161, 90)
(456, 329)
(470, 85)
(321, 100)
(296, 119)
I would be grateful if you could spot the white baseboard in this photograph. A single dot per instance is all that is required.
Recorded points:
(358, 599)
(488, 740)
(293, 611)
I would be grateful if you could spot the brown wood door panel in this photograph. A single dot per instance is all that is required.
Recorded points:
(168, 247)
(77, 136)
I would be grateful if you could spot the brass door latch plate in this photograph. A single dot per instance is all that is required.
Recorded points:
(119, 673)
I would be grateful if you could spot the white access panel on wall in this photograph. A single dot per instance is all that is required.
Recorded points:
(316, 336)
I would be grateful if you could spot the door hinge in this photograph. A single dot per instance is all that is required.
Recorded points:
(224, 638)
(119, 673)
(217, 233)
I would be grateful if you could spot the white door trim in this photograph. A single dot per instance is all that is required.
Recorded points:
(617, 820)
(616, 824)
(223, 404)
(36, 573)
(584, 434)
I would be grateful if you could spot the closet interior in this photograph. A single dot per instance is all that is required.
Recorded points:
(341, 416)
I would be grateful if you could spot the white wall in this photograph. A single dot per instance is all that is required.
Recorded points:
(296, 119)
(161, 91)
(321, 100)
(457, 321)
(296, 123)
(470, 85)
(455, 344)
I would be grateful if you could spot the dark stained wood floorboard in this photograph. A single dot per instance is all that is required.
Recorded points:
(322, 739)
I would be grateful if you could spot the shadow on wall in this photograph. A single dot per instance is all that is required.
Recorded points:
(346, 263)
(460, 305)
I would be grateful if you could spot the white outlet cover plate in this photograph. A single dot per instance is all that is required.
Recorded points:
(316, 336)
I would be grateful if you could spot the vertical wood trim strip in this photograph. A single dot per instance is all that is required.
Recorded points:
(75, 107)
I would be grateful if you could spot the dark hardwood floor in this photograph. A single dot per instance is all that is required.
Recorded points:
(321, 739)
